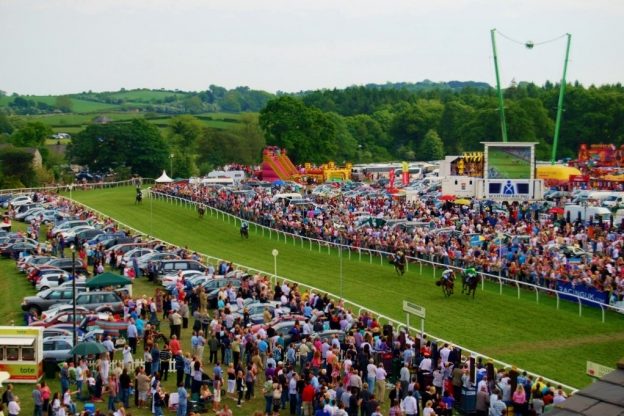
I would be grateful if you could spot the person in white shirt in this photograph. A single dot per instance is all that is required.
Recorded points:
(425, 364)
(380, 383)
(409, 405)
(444, 353)
(371, 374)
(14, 408)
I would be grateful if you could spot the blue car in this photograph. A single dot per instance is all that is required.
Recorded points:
(105, 237)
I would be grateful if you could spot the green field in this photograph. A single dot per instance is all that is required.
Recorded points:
(534, 336)
(73, 123)
(79, 105)
(507, 165)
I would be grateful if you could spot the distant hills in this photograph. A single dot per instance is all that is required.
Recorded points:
(161, 101)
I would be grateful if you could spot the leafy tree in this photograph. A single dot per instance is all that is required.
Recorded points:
(31, 134)
(218, 148)
(307, 133)
(431, 147)
(5, 124)
(249, 130)
(137, 145)
(16, 166)
(64, 103)
(193, 105)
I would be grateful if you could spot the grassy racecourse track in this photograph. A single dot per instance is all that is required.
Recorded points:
(537, 337)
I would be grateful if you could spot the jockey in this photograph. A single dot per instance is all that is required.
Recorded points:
(448, 275)
(244, 225)
(470, 273)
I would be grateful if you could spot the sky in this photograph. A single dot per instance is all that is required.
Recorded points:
(69, 46)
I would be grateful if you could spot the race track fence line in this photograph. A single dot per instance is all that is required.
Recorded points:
(370, 255)
(79, 186)
(355, 306)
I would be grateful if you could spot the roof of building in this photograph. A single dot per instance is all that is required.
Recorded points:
(605, 397)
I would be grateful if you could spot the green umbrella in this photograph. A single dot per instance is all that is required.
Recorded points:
(88, 348)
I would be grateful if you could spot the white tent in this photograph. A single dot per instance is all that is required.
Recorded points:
(164, 178)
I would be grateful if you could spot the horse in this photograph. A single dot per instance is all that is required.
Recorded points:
(201, 210)
(244, 232)
(469, 284)
(398, 261)
(139, 197)
(447, 285)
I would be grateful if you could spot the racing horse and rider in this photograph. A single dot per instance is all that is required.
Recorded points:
(470, 280)
(201, 210)
(398, 260)
(244, 230)
(139, 196)
(447, 282)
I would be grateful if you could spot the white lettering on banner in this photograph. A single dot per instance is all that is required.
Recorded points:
(597, 297)
(515, 197)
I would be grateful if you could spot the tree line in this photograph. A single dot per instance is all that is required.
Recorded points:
(373, 123)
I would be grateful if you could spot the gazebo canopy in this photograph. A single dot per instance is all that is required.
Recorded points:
(164, 178)
(107, 279)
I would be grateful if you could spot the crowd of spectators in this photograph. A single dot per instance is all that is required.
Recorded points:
(532, 249)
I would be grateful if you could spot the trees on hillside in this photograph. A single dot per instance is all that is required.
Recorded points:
(137, 145)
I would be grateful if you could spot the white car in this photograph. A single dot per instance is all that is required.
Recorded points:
(68, 225)
(50, 280)
(71, 233)
(171, 279)
(136, 253)
(18, 201)
(61, 307)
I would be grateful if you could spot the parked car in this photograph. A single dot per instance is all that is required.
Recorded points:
(18, 201)
(45, 299)
(30, 261)
(68, 225)
(135, 253)
(173, 266)
(21, 216)
(155, 256)
(101, 238)
(13, 251)
(70, 234)
(54, 279)
(100, 301)
(58, 348)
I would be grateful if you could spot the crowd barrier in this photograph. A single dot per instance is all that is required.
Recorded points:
(370, 255)
(72, 186)
(354, 306)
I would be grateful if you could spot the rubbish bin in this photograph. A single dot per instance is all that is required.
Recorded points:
(50, 367)
(468, 401)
